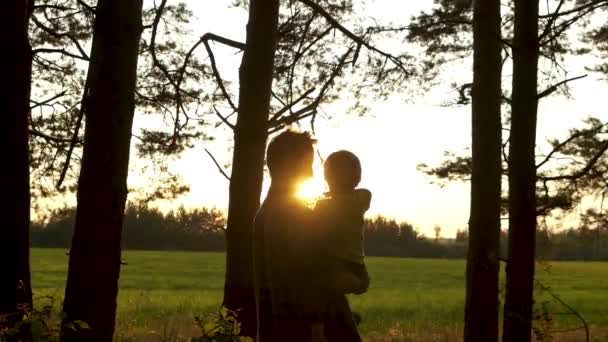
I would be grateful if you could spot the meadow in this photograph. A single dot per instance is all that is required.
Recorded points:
(409, 300)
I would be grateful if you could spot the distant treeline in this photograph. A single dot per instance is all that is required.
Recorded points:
(203, 230)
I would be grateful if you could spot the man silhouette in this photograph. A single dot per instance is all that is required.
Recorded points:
(291, 275)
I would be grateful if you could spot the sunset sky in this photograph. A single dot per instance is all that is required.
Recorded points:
(391, 140)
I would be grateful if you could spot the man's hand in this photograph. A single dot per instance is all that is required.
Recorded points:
(317, 332)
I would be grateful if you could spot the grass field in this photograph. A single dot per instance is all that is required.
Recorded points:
(410, 299)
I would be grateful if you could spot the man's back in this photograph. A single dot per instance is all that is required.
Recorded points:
(283, 268)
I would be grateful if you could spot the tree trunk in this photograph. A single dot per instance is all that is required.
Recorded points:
(15, 82)
(250, 135)
(522, 175)
(481, 311)
(94, 268)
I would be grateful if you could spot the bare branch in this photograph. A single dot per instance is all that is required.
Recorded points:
(55, 34)
(571, 309)
(55, 7)
(562, 27)
(87, 6)
(218, 165)
(180, 73)
(223, 40)
(288, 120)
(47, 101)
(310, 109)
(551, 21)
(291, 105)
(556, 86)
(48, 137)
(359, 40)
(223, 118)
(59, 51)
(559, 147)
(592, 4)
(218, 78)
(582, 172)
(68, 157)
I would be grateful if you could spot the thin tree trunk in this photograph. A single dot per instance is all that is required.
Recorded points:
(15, 82)
(250, 135)
(522, 175)
(94, 267)
(481, 311)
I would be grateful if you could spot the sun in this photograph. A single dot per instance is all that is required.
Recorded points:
(311, 189)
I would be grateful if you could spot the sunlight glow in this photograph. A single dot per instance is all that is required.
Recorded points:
(311, 189)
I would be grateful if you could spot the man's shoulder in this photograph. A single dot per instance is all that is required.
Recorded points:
(282, 212)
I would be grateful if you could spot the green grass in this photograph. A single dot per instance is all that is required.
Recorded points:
(160, 292)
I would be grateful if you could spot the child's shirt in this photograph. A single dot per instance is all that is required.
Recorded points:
(341, 217)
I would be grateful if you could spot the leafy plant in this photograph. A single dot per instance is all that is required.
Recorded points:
(41, 324)
(226, 328)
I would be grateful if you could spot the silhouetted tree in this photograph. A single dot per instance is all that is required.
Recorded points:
(171, 80)
(15, 287)
(250, 134)
(558, 187)
(522, 175)
(481, 307)
(95, 255)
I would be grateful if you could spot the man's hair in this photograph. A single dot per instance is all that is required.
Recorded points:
(342, 170)
(286, 150)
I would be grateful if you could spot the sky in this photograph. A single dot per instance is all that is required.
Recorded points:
(391, 140)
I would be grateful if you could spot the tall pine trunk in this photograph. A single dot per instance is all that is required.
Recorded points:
(481, 311)
(522, 175)
(94, 267)
(15, 82)
(250, 135)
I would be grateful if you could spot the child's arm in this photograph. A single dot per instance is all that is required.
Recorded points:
(364, 198)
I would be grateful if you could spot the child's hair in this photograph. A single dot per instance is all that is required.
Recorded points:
(286, 151)
(342, 170)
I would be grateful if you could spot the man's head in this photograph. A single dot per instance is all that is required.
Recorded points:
(289, 157)
(342, 171)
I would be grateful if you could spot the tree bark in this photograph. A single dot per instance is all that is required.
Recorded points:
(481, 310)
(522, 175)
(250, 135)
(15, 82)
(94, 267)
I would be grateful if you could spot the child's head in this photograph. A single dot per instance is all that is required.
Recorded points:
(342, 171)
(290, 157)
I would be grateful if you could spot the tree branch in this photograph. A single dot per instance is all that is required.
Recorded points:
(55, 34)
(359, 40)
(60, 51)
(554, 87)
(310, 109)
(289, 106)
(83, 105)
(574, 312)
(218, 165)
(218, 78)
(223, 118)
(551, 21)
(595, 4)
(48, 137)
(581, 172)
(47, 101)
(87, 6)
(560, 145)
